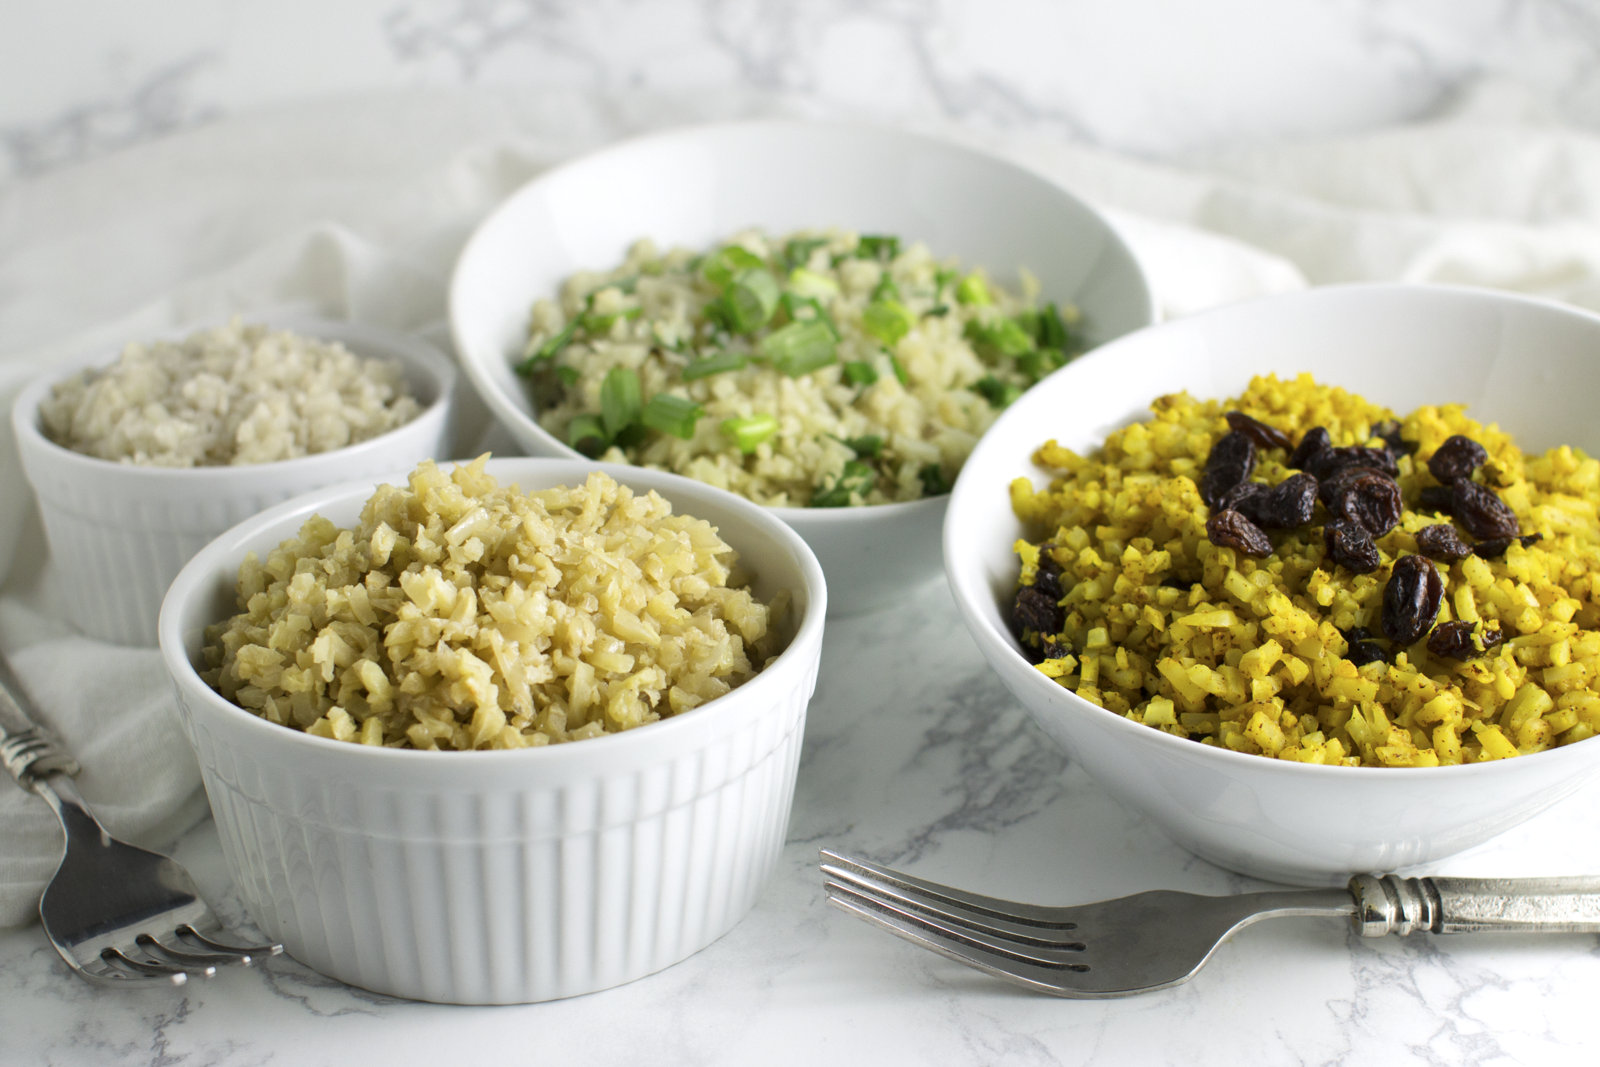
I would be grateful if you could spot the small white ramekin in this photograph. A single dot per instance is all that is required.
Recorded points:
(119, 533)
(504, 877)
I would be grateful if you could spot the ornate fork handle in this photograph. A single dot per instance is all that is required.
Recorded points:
(1388, 904)
(27, 749)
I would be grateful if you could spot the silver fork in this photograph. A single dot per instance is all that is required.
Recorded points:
(1152, 940)
(119, 915)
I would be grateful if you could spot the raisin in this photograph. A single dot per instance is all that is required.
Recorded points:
(1334, 486)
(1315, 440)
(1240, 496)
(1350, 546)
(1456, 459)
(1232, 459)
(1443, 543)
(1453, 640)
(1388, 431)
(1373, 500)
(1229, 529)
(1330, 460)
(1263, 435)
(1286, 505)
(1496, 548)
(1362, 652)
(1356, 633)
(1411, 599)
(1038, 611)
(1435, 498)
(1485, 515)
(1047, 579)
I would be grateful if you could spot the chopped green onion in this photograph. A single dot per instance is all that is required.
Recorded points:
(857, 478)
(877, 246)
(619, 400)
(799, 348)
(865, 446)
(587, 435)
(671, 414)
(797, 253)
(934, 483)
(568, 376)
(999, 394)
(938, 311)
(749, 432)
(792, 304)
(716, 363)
(751, 298)
(597, 323)
(972, 291)
(549, 349)
(888, 321)
(886, 289)
(899, 370)
(810, 283)
(720, 267)
(1052, 330)
(1001, 337)
(1038, 363)
(860, 372)
(941, 278)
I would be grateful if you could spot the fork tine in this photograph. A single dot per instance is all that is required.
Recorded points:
(1061, 955)
(864, 872)
(154, 968)
(187, 957)
(245, 954)
(960, 946)
(941, 907)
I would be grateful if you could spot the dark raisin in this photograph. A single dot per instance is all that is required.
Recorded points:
(1239, 498)
(1232, 459)
(1334, 486)
(1411, 599)
(1286, 505)
(1453, 640)
(1435, 498)
(1325, 463)
(1229, 529)
(1494, 549)
(1388, 431)
(1037, 611)
(1443, 543)
(1373, 500)
(1350, 546)
(1456, 459)
(1361, 652)
(1172, 581)
(1047, 579)
(1052, 647)
(1356, 633)
(1315, 440)
(1484, 515)
(1263, 435)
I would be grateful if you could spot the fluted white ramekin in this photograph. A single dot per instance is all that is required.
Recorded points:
(119, 532)
(504, 877)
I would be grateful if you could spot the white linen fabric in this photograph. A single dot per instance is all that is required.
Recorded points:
(356, 208)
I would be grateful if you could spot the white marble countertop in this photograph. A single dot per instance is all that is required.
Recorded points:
(914, 756)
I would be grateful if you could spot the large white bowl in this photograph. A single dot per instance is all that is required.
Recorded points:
(1532, 367)
(120, 532)
(504, 877)
(694, 187)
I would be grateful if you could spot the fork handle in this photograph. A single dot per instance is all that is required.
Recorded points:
(1460, 905)
(27, 749)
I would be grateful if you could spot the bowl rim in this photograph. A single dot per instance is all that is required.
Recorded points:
(411, 350)
(1003, 657)
(508, 413)
(611, 748)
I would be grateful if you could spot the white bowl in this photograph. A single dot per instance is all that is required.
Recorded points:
(694, 187)
(121, 532)
(504, 877)
(1528, 365)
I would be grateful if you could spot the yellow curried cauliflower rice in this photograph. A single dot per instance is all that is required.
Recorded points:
(460, 614)
(1172, 631)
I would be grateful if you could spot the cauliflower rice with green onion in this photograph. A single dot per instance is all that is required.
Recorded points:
(461, 614)
(821, 368)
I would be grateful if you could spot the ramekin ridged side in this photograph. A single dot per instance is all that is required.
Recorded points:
(120, 533)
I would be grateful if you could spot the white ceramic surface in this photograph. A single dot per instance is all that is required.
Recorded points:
(1528, 365)
(504, 877)
(696, 186)
(127, 529)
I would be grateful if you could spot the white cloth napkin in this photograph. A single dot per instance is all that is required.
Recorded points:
(357, 208)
